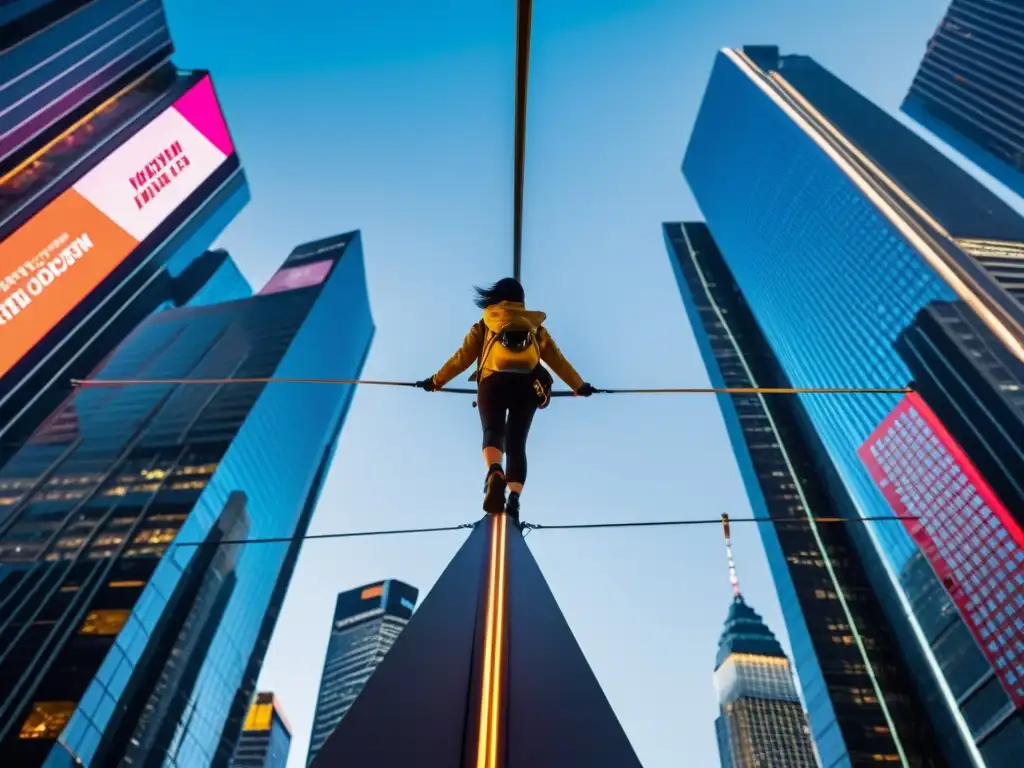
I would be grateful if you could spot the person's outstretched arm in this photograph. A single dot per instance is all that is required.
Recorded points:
(468, 353)
(552, 355)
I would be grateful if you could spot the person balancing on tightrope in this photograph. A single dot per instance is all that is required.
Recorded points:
(508, 346)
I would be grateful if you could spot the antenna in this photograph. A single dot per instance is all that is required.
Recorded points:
(733, 578)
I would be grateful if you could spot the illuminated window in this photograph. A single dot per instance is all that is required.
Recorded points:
(259, 717)
(47, 719)
(127, 584)
(105, 622)
(154, 474)
(108, 540)
(155, 536)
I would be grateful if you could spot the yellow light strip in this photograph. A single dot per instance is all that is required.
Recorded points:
(499, 644)
(494, 647)
(483, 737)
(73, 127)
(932, 256)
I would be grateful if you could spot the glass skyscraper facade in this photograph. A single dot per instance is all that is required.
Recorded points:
(133, 619)
(839, 225)
(75, 183)
(862, 706)
(968, 89)
(266, 735)
(367, 621)
(59, 58)
(761, 722)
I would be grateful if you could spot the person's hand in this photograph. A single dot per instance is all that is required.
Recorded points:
(427, 385)
(586, 390)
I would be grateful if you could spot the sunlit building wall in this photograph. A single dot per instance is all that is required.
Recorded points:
(968, 89)
(133, 619)
(367, 621)
(839, 225)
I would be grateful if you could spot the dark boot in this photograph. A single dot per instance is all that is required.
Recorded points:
(494, 490)
(512, 506)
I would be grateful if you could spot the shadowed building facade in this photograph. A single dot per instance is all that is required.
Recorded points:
(968, 89)
(133, 620)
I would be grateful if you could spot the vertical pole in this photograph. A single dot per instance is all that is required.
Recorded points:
(524, 20)
(733, 578)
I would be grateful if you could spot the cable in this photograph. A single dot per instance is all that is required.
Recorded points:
(527, 527)
(653, 523)
(86, 383)
(347, 535)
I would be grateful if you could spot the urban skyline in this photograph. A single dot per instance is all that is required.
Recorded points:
(171, 271)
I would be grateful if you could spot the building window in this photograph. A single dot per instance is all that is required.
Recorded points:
(47, 719)
(155, 536)
(104, 623)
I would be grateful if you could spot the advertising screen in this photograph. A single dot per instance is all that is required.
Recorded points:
(62, 253)
(290, 278)
(964, 531)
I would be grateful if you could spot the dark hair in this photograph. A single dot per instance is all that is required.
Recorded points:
(506, 289)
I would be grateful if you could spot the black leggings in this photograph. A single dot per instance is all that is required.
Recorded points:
(507, 403)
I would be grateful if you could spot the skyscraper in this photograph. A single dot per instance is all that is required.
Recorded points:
(266, 735)
(761, 722)
(967, 90)
(862, 706)
(60, 59)
(133, 621)
(367, 621)
(839, 225)
(89, 220)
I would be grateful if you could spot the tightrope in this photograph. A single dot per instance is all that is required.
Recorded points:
(88, 383)
(538, 527)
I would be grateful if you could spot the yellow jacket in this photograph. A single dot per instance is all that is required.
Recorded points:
(495, 318)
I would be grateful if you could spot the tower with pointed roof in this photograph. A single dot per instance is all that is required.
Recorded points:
(762, 723)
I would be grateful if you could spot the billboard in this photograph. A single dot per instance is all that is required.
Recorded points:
(60, 255)
(964, 531)
(291, 278)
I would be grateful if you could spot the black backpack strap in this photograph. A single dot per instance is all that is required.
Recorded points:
(484, 351)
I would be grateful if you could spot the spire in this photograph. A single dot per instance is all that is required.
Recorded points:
(733, 578)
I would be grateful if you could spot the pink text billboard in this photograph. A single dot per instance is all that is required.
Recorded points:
(964, 531)
(61, 254)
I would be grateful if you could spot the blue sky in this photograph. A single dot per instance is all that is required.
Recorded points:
(396, 118)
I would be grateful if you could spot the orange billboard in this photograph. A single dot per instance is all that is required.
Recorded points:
(62, 254)
(50, 265)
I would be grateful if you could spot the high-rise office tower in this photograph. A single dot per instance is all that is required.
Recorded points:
(113, 164)
(367, 621)
(839, 224)
(266, 735)
(761, 720)
(862, 706)
(968, 88)
(133, 621)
